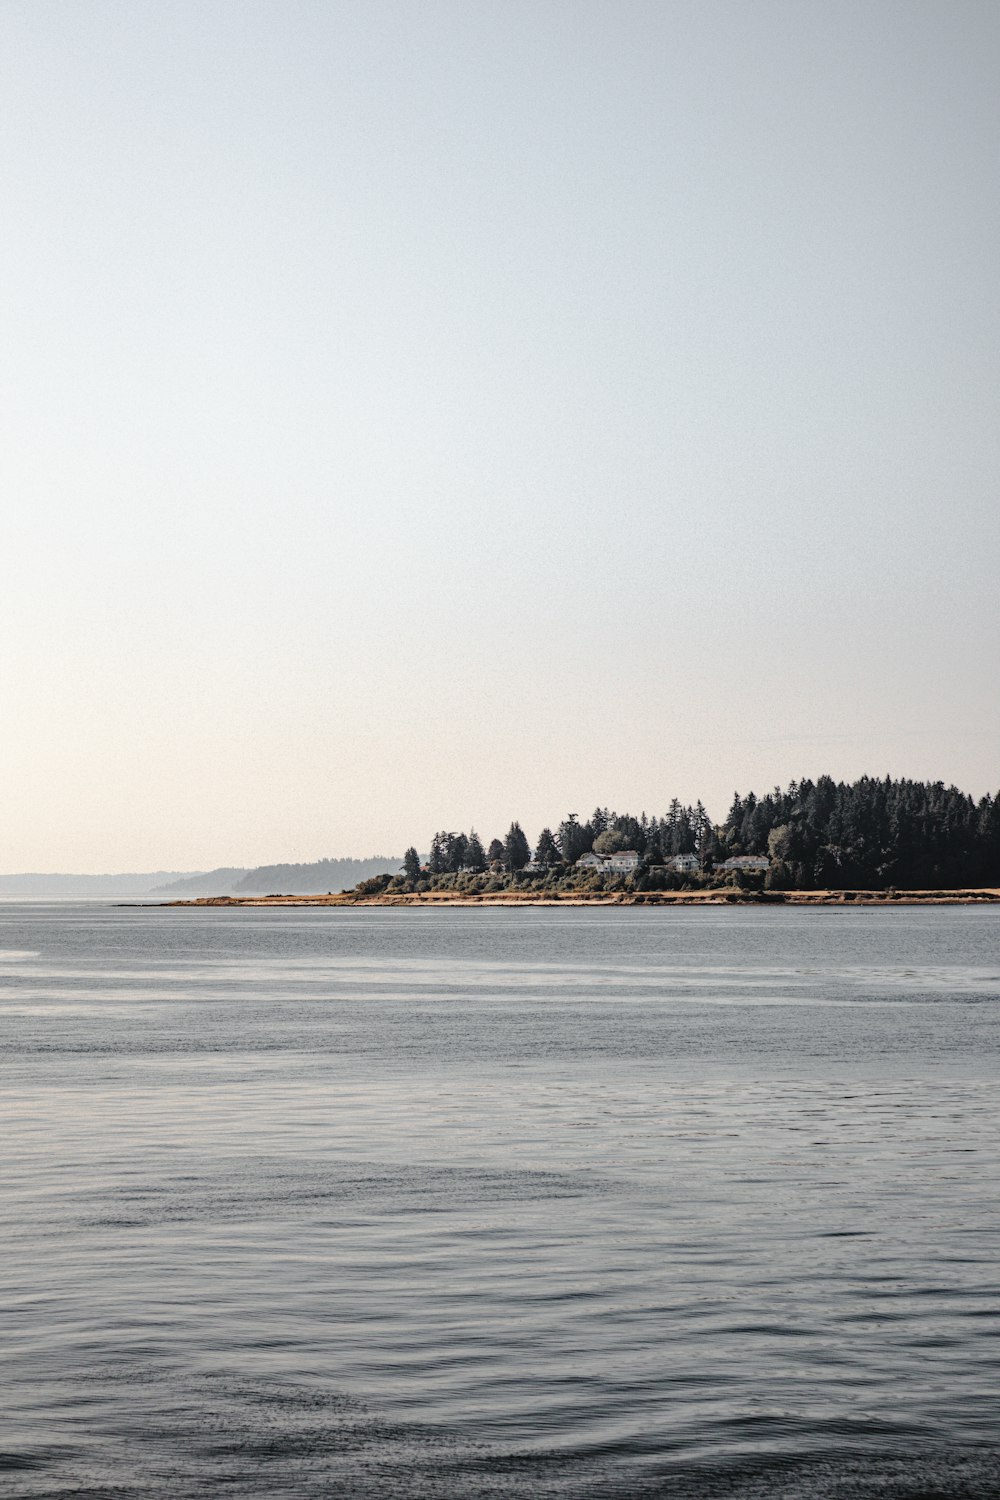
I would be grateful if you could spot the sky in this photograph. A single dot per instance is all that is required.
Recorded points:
(421, 416)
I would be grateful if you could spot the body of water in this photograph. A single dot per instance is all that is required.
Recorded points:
(621, 1202)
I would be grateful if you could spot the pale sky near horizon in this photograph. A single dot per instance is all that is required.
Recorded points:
(424, 415)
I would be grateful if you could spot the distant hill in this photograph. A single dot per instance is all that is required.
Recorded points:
(294, 880)
(311, 880)
(218, 882)
(288, 880)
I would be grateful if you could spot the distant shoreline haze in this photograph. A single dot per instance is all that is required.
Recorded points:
(38, 883)
(293, 879)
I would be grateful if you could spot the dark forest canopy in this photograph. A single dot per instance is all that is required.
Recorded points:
(871, 833)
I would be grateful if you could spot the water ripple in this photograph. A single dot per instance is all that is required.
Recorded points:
(483, 1204)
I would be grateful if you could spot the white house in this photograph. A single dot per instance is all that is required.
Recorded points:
(623, 862)
(683, 864)
(750, 863)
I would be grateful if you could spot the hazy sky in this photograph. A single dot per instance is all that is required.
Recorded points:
(418, 415)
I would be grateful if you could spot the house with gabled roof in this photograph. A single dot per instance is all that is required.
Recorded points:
(621, 862)
(683, 864)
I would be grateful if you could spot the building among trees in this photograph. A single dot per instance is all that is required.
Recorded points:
(870, 834)
(620, 862)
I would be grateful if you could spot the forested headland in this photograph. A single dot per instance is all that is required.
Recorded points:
(869, 834)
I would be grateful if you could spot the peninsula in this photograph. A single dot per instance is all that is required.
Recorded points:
(814, 843)
(718, 896)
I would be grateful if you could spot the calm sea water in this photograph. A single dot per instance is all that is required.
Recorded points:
(486, 1203)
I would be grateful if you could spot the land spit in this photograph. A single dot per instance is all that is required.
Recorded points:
(718, 896)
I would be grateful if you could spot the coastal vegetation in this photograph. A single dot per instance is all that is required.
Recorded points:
(873, 834)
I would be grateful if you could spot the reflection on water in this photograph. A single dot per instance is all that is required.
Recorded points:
(494, 1203)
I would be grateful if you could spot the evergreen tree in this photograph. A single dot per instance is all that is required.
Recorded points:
(732, 826)
(411, 864)
(547, 852)
(456, 851)
(711, 850)
(682, 839)
(631, 830)
(574, 839)
(495, 854)
(516, 848)
(475, 856)
(653, 854)
(678, 839)
(437, 860)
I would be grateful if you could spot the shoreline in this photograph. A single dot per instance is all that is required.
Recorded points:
(718, 896)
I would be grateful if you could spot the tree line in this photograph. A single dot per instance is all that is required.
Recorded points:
(870, 834)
